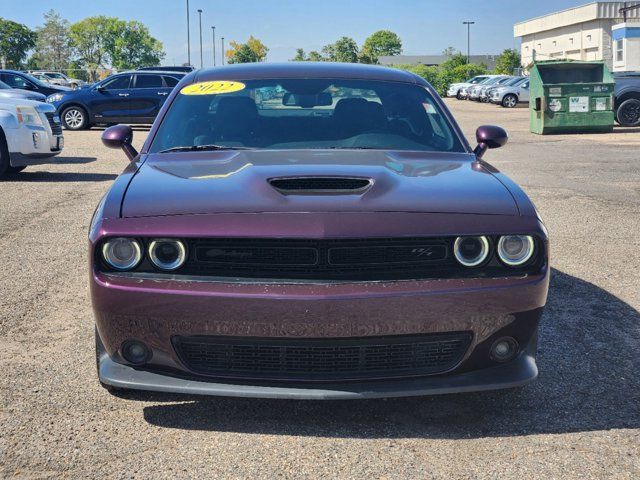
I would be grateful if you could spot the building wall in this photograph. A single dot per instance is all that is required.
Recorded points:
(584, 41)
(629, 35)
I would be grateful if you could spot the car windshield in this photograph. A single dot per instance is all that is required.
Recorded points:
(305, 114)
(55, 75)
(475, 80)
(33, 79)
(513, 81)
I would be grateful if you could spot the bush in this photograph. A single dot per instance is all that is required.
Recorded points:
(451, 71)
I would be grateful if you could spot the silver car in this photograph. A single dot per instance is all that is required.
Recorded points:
(510, 95)
(459, 90)
(473, 93)
(483, 95)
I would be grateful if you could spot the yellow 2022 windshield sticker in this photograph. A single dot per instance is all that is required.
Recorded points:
(212, 88)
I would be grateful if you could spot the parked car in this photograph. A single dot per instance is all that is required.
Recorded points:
(482, 92)
(175, 68)
(133, 97)
(58, 78)
(24, 81)
(30, 134)
(627, 98)
(455, 89)
(510, 95)
(7, 91)
(473, 92)
(485, 95)
(326, 247)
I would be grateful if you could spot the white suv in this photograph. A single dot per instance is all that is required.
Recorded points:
(30, 134)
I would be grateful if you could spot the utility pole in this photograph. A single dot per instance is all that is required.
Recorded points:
(188, 37)
(222, 50)
(213, 30)
(200, 15)
(468, 24)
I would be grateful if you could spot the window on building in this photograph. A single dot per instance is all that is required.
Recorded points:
(619, 50)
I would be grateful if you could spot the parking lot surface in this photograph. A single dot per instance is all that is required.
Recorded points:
(580, 419)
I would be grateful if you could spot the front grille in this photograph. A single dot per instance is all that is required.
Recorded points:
(56, 127)
(322, 359)
(367, 259)
(320, 185)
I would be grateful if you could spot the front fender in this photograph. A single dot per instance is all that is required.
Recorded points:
(8, 120)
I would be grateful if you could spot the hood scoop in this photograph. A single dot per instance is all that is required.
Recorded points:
(321, 185)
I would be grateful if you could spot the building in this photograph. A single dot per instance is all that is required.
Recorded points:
(583, 33)
(433, 60)
(626, 47)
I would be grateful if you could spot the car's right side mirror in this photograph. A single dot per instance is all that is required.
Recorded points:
(489, 136)
(120, 136)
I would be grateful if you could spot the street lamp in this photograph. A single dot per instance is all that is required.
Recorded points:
(188, 37)
(200, 15)
(213, 31)
(468, 24)
(222, 50)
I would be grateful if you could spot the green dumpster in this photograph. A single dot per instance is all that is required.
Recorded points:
(570, 97)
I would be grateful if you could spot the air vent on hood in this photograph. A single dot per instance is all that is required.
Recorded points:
(320, 185)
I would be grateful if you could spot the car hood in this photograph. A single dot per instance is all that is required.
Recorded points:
(26, 94)
(238, 182)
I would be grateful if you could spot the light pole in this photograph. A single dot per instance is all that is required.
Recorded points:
(200, 15)
(213, 31)
(468, 24)
(222, 50)
(188, 37)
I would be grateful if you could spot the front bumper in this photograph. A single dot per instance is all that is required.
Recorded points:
(34, 144)
(516, 373)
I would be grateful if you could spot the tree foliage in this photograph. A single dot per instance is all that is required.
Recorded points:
(382, 42)
(16, 40)
(53, 45)
(101, 41)
(250, 52)
(508, 61)
(344, 50)
(446, 73)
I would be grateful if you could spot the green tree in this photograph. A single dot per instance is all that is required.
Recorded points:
(315, 56)
(90, 39)
(508, 61)
(132, 46)
(252, 51)
(429, 73)
(53, 46)
(300, 56)
(243, 54)
(449, 52)
(455, 60)
(16, 40)
(344, 50)
(382, 42)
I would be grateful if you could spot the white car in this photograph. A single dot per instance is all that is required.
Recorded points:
(510, 95)
(30, 134)
(458, 90)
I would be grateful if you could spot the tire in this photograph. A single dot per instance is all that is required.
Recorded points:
(509, 101)
(628, 114)
(4, 155)
(458, 96)
(75, 118)
(15, 169)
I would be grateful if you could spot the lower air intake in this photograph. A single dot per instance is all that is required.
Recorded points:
(322, 359)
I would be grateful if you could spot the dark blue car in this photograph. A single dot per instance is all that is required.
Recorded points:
(128, 97)
(24, 81)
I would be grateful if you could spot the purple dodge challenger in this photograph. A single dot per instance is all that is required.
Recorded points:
(314, 231)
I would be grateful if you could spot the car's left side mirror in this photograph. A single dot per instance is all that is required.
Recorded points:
(489, 136)
(120, 136)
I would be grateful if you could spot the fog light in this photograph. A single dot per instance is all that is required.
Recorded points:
(135, 352)
(504, 349)
(36, 138)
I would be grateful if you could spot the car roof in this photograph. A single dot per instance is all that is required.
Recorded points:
(150, 72)
(262, 71)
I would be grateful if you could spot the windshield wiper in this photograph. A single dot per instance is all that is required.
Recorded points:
(198, 148)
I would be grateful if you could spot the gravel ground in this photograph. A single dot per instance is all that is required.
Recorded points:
(581, 419)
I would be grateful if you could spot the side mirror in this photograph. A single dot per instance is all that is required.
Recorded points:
(100, 88)
(489, 136)
(120, 136)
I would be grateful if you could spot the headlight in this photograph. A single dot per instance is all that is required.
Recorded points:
(56, 97)
(28, 116)
(471, 251)
(167, 254)
(122, 253)
(515, 250)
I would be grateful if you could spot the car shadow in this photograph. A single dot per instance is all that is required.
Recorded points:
(49, 177)
(588, 359)
(73, 160)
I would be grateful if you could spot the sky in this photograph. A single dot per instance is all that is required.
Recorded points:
(425, 26)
